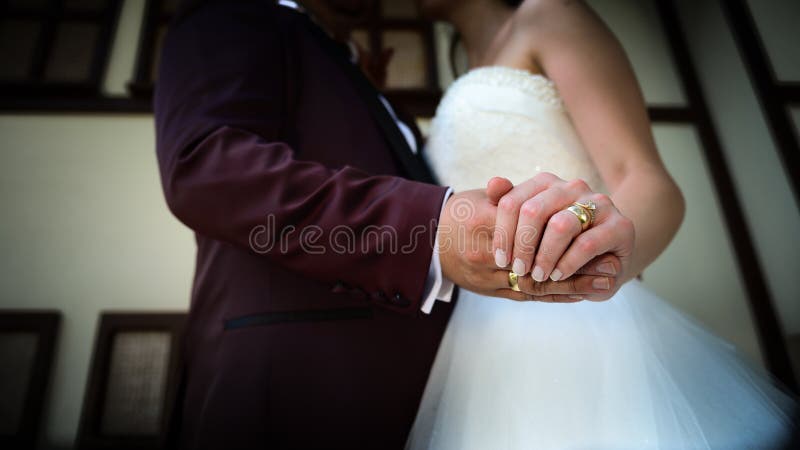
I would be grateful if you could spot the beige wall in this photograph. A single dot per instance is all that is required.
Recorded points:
(698, 271)
(85, 227)
(637, 26)
(769, 207)
(123, 52)
(777, 22)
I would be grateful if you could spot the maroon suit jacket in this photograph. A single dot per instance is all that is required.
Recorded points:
(261, 127)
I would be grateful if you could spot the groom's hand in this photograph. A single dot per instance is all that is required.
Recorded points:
(466, 229)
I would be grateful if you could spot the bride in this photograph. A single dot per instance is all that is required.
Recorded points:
(550, 90)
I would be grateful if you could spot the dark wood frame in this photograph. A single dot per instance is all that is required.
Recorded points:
(770, 333)
(774, 96)
(89, 434)
(45, 324)
(142, 85)
(36, 94)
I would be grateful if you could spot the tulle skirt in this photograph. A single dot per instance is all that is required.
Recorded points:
(632, 372)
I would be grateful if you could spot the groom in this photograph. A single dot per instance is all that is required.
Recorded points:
(312, 322)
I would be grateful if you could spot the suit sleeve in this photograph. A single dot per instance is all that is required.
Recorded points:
(221, 106)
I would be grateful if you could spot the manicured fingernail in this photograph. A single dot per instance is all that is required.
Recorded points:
(518, 267)
(600, 283)
(556, 275)
(607, 268)
(538, 273)
(500, 258)
(575, 297)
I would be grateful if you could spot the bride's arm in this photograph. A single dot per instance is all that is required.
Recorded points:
(575, 49)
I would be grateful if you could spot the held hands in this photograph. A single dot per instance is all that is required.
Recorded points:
(484, 234)
(535, 234)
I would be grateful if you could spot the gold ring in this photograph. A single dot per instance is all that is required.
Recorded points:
(584, 212)
(513, 281)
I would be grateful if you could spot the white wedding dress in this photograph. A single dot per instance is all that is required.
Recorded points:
(629, 373)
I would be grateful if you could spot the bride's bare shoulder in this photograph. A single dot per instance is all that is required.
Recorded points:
(537, 9)
(556, 18)
(555, 26)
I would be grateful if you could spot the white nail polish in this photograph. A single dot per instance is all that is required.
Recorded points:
(556, 275)
(518, 267)
(538, 273)
(500, 258)
(607, 268)
(600, 283)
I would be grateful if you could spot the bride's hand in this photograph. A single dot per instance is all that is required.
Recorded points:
(535, 233)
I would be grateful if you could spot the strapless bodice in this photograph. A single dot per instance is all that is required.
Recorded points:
(500, 121)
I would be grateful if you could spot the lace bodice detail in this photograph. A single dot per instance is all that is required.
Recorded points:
(500, 121)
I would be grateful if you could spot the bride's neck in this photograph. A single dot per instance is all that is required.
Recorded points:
(478, 22)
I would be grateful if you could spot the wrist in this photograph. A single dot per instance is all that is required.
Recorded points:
(443, 233)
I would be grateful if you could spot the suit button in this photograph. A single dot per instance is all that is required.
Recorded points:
(399, 300)
(339, 288)
(358, 293)
(379, 296)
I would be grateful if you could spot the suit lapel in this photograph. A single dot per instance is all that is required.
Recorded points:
(414, 165)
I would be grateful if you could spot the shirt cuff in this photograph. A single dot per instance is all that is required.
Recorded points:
(437, 287)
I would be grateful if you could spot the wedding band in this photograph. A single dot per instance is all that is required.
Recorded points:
(513, 282)
(584, 212)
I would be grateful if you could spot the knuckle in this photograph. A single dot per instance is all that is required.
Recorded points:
(531, 208)
(587, 245)
(601, 199)
(507, 203)
(562, 224)
(572, 284)
(625, 224)
(546, 177)
(578, 184)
